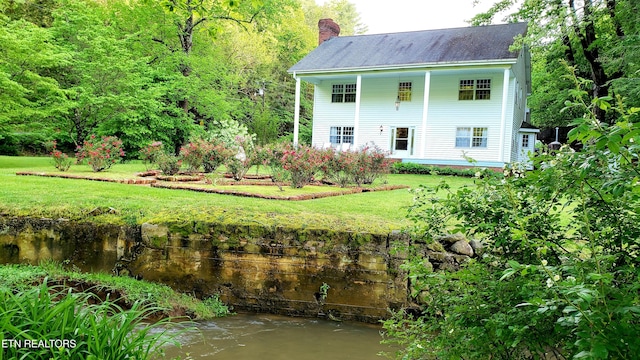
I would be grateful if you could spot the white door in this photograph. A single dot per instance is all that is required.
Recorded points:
(402, 141)
(526, 146)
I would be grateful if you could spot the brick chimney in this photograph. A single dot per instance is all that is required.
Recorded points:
(327, 29)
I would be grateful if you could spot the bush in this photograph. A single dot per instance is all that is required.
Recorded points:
(150, 153)
(370, 163)
(271, 157)
(413, 168)
(61, 161)
(193, 154)
(239, 164)
(169, 164)
(102, 153)
(215, 155)
(562, 242)
(301, 163)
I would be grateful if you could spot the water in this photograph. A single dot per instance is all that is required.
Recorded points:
(272, 337)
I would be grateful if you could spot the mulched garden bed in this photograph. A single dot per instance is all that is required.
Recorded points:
(319, 195)
(177, 182)
(84, 177)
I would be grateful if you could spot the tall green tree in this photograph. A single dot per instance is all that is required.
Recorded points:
(28, 91)
(581, 33)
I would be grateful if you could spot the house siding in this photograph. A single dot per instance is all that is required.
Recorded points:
(445, 114)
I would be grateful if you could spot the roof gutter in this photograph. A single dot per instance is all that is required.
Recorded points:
(406, 67)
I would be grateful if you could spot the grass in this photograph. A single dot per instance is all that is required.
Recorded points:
(25, 277)
(378, 212)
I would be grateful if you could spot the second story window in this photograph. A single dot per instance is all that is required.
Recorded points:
(343, 93)
(404, 91)
(479, 89)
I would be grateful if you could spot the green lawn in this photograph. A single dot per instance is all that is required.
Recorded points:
(380, 211)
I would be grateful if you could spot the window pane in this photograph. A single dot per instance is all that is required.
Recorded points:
(334, 135)
(479, 137)
(525, 141)
(349, 97)
(347, 134)
(463, 137)
(404, 91)
(402, 133)
(337, 94)
(483, 89)
(402, 144)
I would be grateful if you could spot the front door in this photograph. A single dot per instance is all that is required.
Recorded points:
(402, 141)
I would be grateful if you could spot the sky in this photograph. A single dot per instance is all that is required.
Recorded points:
(386, 16)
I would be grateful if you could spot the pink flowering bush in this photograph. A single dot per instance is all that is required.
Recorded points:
(370, 164)
(150, 153)
(192, 154)
(271, 157)
(216, 153)
(102, 153)
(61, 160)
(301, 163)
(354, 167)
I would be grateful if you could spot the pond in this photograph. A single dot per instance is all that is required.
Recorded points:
(272, 337)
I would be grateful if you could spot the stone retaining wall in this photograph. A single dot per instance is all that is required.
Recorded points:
(252, 268)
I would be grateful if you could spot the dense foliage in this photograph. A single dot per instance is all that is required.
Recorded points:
(560, 272)
(67, 325)
(167, 70)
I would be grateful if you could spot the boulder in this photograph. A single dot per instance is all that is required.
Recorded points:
(450, 238)
(462, 247)
(477, 247)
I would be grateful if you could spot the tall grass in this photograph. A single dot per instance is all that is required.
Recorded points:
(47, 322)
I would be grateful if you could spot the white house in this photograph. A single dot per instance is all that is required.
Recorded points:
(428, 97)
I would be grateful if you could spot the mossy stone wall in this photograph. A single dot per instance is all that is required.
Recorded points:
(251, 267)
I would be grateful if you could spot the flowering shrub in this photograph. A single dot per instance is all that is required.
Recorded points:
(215, 155)
(301, 163)
(150, 153)
(354, 167)
(193, 153)
(338, 166)
(61, 161)
(370, 163)
(239, 164)
(270, 156)
(102, 153)
(169, 164)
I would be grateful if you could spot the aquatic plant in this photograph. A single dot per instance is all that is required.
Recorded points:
(48, 322)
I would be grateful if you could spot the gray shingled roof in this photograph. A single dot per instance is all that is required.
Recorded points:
(413, 48)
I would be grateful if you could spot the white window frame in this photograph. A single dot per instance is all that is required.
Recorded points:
(405, 90)
(475, 89)
(343, 93)
(471, 137)
(341, 135)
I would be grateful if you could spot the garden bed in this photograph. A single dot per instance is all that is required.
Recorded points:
(199, 183)
(298, 197)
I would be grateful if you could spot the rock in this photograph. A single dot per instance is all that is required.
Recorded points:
(154, 235)
(450, 238)
(435, 246)
(462, 247)
(477, 247)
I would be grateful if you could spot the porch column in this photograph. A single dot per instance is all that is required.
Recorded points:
(296, 113)
(425, 112)
(503, 119)
(356, 120)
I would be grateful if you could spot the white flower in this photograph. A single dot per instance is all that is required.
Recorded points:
(478, 174)
(556, 277)
(544, 262)
(571, 279)
(549, 283)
